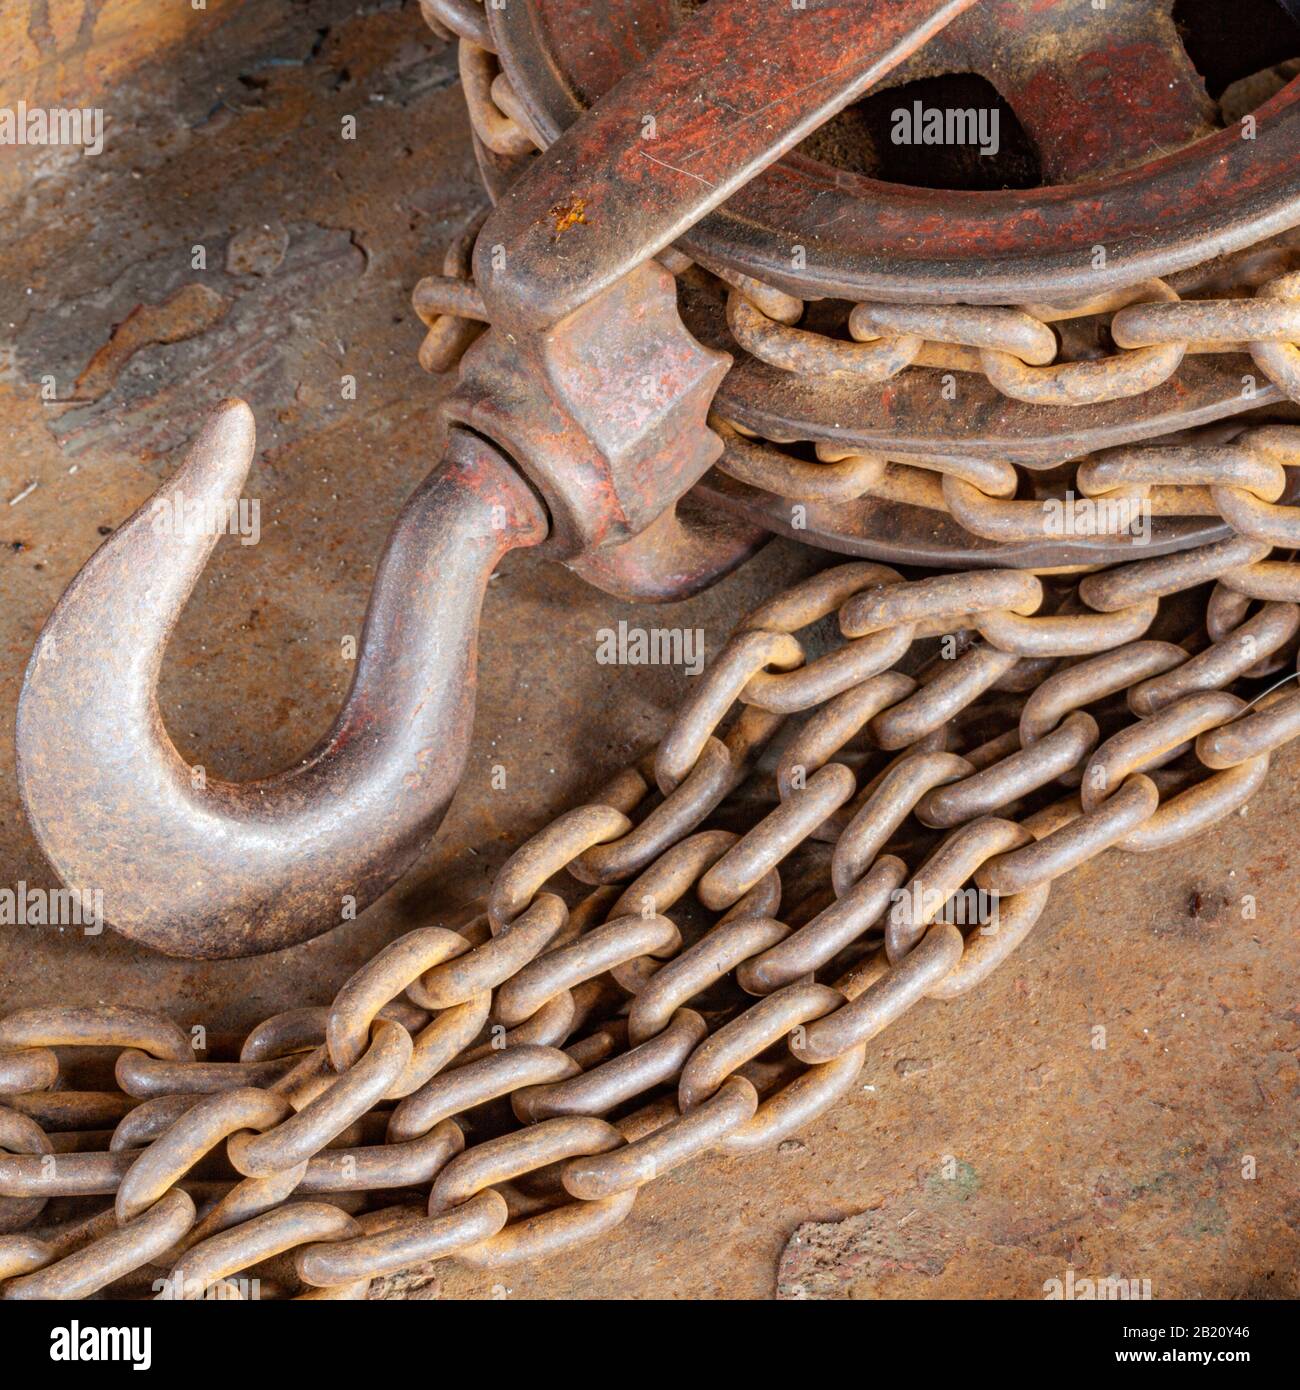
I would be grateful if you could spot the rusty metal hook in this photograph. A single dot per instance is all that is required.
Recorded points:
(237, 868)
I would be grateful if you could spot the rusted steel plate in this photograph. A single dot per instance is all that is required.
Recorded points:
(904, 535)
(866, 240)
(1098, 89)
(720, 100)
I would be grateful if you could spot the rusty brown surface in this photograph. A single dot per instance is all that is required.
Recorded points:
(996, 1146)
(1092, 87)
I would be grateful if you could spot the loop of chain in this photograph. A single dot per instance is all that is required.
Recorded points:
(486, 91)
(464, 19)
(566, 1019)
(1016, 349)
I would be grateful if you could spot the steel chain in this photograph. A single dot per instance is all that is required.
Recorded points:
(576, 1015)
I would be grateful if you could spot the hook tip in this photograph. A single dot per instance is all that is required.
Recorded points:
(226, 443)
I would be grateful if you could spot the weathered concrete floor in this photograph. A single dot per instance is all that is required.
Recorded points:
(991, 1144)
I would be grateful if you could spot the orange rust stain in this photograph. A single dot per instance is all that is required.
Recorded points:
(569, 214)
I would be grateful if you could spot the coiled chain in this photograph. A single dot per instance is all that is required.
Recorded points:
(633, 992)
